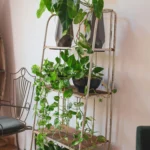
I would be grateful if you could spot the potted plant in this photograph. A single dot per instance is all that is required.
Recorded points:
(57, 75)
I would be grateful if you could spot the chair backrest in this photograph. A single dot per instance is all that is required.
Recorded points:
(21, 93)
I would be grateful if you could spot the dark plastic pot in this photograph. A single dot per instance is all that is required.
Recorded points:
(80, 84)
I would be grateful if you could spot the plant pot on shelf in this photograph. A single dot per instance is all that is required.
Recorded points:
(80, 84)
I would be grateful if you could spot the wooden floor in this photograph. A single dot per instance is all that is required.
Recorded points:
(10, 144)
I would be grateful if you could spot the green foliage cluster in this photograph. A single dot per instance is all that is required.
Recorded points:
(69, 11)
(56, 75)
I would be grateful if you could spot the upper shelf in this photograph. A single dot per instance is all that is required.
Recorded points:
(71, 48)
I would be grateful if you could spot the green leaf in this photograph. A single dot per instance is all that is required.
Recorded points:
(41, 9)
(48, 126)
(79, 75)
(64, 55)
(58, 60)
(85, 90)
(53, 76)
(72, 112)
(48, 118)
(98, 69)
(62, 12)
(56, 113)
(114, 91)
(48, 4)
(68, 93)
(71, 61)
(37, 98)
(56, 98)
(56, 122)
(89, 50)
(61, 84)
(84, 44)
(80, 51)
(101, 138)
(78, 115)
(42, 122)
(77, 142)
(98, 7)
(72, 8)
(36, 70)
(52, 106)
(87, 26)
(48, 64)
(68, 70)
(66, 82)
(78, 104)
(84, 60)
(79, 17)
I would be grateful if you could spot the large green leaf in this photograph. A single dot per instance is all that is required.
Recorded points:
(80, 75)
(68, 93)
(80, 16)
(62, 12)
(41, 9)
(71, 61)
(77, 142)
(98, 69)
(64, 55)
(72, 8)
(84, 60)
(48, 4)
(98, 7)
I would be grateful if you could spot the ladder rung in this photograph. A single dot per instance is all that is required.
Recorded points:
(70, 48)
(58, 48)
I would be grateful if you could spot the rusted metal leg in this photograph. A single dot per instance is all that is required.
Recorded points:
(35, 141)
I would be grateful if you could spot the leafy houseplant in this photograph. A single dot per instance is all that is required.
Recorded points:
(57, 75)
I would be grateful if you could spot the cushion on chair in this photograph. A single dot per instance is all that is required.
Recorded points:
(10, 125)
(143, 138)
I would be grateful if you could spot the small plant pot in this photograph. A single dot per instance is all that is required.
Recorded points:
(80, 84)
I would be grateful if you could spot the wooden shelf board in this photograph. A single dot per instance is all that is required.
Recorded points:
(71, 48)
(59, 138)
(82, 95)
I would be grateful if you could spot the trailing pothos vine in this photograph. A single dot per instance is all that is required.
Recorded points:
(57, 75)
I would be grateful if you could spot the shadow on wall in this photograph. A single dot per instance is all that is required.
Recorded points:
(7, 35)
(130, 107)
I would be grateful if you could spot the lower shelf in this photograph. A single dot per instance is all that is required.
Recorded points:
(64, 138)
(8, 147)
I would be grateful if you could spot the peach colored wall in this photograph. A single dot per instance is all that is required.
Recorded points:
(23, 34)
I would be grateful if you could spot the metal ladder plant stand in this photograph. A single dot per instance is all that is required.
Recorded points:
(110, 81)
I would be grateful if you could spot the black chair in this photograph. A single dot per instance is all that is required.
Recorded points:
(143, 138)
(19, 102)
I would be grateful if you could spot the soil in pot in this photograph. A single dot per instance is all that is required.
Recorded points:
(80, 84)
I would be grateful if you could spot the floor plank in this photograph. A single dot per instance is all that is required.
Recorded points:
(10, 143)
